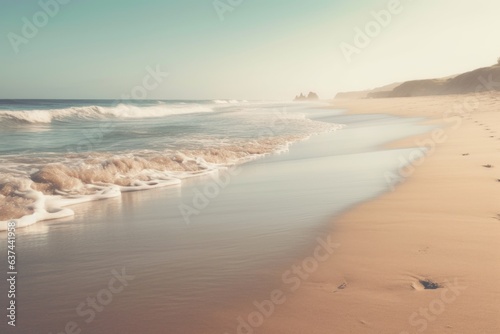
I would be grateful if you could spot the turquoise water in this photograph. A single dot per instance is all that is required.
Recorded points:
(62, 152)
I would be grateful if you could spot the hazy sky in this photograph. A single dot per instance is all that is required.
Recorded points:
(262, 49)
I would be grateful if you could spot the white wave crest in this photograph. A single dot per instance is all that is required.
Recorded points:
(95, 112)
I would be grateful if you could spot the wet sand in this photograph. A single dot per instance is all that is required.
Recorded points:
(425, 257)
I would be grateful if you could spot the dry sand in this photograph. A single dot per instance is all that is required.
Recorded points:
(441, 226)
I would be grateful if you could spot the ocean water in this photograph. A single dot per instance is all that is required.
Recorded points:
(196, 275)
(56, 153)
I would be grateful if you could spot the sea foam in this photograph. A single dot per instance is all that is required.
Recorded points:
(38, 184)
(125, 111)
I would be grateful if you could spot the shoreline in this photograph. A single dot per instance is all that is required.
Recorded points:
(390, 246)
(422, 258)
(235, 259)
(245, 229)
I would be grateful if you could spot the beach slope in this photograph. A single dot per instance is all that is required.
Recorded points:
(425, 257)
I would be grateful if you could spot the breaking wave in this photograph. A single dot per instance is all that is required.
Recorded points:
(98, 112)
(35, 189)
(54, 160)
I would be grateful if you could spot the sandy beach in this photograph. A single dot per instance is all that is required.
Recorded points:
(423, 258)
(351, 245)
(250, 167)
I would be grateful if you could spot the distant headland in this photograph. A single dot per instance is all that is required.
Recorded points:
(312, 96)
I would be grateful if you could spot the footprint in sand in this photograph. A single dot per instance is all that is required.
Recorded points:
(328, 287)
(424, 250)
(426, 284)
(342, 286)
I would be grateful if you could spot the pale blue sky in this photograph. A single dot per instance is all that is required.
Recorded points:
(263, 49)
